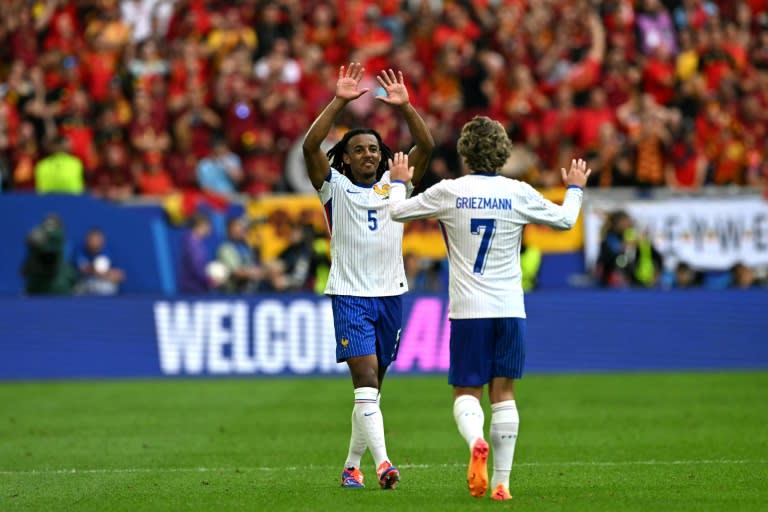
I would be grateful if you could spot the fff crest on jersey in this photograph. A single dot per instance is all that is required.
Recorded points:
(382, 190)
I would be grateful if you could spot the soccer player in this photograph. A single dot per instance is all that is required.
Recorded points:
(482, 216)
(367, 277)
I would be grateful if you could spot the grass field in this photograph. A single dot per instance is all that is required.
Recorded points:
(614, 442)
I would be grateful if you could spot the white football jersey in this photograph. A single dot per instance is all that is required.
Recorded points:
(482, 218)
(366, 244)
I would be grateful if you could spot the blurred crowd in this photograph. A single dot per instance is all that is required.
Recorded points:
(147, 97)
(629, 259)
(230, 264)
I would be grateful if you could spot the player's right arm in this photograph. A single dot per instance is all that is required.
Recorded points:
(425, 205)
(535, 208)
(346, 91)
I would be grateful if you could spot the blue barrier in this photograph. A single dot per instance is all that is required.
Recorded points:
(129, 236)
(138, 237)
(572, 331)
(143, 244)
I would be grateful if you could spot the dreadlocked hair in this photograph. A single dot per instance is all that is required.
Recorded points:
(335, 154)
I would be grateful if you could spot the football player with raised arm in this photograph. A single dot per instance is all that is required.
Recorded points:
(367, 277)
(482, 215)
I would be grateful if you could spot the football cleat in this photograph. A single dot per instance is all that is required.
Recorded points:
(352, 478)
(477, 471)
(388, 475)
(501, 493)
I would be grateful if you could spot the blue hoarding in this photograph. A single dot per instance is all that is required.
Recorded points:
(569, 331)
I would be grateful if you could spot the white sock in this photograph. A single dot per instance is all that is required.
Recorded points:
(469, 417)
(371, 422)
(504, 425)
(356, 444)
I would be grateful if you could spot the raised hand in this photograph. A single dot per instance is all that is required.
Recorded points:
(349, 81)
(397, 93)
(577, 174)
(398, 167)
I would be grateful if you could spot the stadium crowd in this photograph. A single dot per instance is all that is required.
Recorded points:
(136, 98)
(152, 96)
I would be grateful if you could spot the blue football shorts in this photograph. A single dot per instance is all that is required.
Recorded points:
(367, 325)
(484, 348)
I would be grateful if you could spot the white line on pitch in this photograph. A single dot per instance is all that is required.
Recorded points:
(245, 469)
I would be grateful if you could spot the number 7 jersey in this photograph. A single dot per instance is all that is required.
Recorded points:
(366, 244)
(482, 217)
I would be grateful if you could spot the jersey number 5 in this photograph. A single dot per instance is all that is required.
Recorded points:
(488, 227)
(372, 222)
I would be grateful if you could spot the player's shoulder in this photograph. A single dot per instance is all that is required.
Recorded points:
(521, 187)
(496, 181)
(334, 177)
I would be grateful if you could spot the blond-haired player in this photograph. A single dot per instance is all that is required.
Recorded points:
(482, 215)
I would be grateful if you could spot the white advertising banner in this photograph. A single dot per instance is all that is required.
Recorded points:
(708, 234)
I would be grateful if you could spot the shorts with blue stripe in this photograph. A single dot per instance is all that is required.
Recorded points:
(484, 348)
(367, 325)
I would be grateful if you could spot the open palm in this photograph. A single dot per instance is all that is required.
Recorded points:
(397, 93)
(347, 87)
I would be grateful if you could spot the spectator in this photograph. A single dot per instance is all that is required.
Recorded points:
(198, 123)
(75, 124)
(278, 65)
(689, 166)
(743, 276)
(152, 178)
(59, 172)
(246, 275)
(262, 169)
(45, 268)
(148, 66)
(530, 264)
(147, 131)
(97, 274)
(182, 165)
(320, 268)
(296, 259)
(229, 33)
(371, 42)
(221, 171)
(113, 180)
(144, 15)
(193, 277)
(593, 117)
(626, 258)
(686, 277)
(655, 27)
(23, 159)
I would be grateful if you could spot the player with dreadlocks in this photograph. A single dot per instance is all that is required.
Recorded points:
(367, 278)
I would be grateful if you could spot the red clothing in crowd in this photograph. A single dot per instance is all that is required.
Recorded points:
(659, 79)
(588, 133)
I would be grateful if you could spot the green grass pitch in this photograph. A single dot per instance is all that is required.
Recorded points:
(608, 442)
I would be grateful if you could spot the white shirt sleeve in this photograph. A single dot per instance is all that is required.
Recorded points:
(425, 205)
(539, 210)
(326, 189)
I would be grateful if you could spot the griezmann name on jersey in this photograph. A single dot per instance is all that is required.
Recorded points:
(482, 217)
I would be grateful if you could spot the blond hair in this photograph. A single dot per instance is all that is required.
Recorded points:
(484, 145)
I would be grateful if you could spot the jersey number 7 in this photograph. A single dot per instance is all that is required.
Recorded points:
(488, 227)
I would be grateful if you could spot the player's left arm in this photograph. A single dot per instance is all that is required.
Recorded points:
(537, 209)
(397, 95)
(425, 205)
